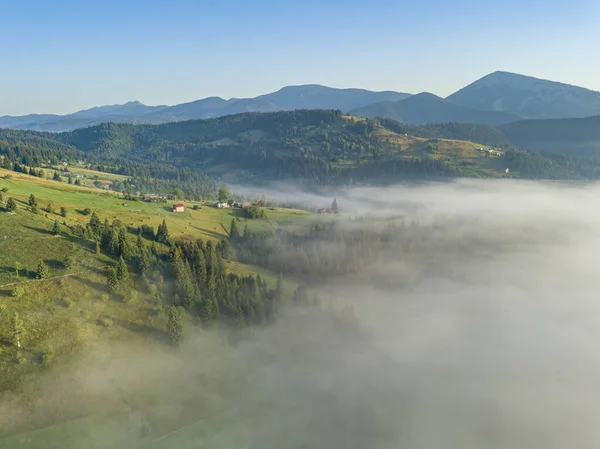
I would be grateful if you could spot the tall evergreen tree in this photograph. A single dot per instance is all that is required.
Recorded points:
(334, 206)
(162, 233)
(95, 226)
(144, 263)
(56, 228)
(42, 271)
(122, 270)
(175, 325)
(234, 232)
(32, 200)
(112, 280)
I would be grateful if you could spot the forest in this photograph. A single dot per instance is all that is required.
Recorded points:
(311, 147)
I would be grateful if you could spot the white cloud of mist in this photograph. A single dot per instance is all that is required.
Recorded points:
(495, 345)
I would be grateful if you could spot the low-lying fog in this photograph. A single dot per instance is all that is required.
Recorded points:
(495, 342)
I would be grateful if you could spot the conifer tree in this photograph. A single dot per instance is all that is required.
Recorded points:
(334, 206)
(162, 233)
(56, 228)
(122, 271)
(11, 205)
(42, 271)
(95, 225)
(234, 232)
(175, 325)
(32, 200)
(144, 263)
(112, 279)
(63, 212)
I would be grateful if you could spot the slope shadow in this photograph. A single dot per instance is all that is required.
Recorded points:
(159, 335)
(96, 285)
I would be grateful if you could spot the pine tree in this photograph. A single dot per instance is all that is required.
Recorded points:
(112, 279)
(234, 233)
(97, 248)
(78, 182)
(32, 200)
(126, 249)
(11, 205)
(56, 228)
(122, 271)
(17, 330)
(175, 325)
(70, 180)
(50, 208)
(144, 264)
(95, 225)
(56, 177)
(162, 233)
(42, 271)
(279, 288)
(334, 206)
(63, 212)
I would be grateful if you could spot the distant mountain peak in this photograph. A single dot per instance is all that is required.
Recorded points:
(528, 96)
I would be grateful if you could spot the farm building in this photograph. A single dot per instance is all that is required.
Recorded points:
(222, 205)
(178, 207)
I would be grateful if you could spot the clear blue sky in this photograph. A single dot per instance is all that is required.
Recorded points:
(61, 56)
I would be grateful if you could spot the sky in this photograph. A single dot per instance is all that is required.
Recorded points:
(63, 56)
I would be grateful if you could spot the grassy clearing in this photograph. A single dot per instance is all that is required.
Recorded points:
(208, 223)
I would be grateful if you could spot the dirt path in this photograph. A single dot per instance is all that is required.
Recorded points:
(51, 278)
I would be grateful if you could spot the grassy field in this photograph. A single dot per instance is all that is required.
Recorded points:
(209, 222)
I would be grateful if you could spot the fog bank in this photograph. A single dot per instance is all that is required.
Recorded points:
(482, 334)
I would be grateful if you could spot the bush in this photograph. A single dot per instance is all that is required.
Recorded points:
(106, 322)
(68, 303)
(87, 211)
(18, 291)
(132, 297)
(48, 356)
(104, 297)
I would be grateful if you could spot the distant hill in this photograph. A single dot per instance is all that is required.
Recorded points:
(564, 136)
(315, 147)
(528, 97)
(428, 108)
(289, 98)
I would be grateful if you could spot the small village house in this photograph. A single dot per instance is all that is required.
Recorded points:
(178, 207)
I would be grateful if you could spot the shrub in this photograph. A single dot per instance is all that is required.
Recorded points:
(87, 211)
(18, 291)
(132, 297)
(48, 356)
(106, 322)
(68, 303)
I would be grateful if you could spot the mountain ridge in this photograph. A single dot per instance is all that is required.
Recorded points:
(530, 97)
(426, 108)
(497, 98)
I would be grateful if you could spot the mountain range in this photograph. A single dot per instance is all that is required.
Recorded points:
(496, 99)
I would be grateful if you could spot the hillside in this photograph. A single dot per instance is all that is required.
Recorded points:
(311, 96)
(528, 97)
(565, 136)
(312, 147)
(428, 108)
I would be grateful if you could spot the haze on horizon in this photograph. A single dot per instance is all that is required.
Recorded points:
(66, 56)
